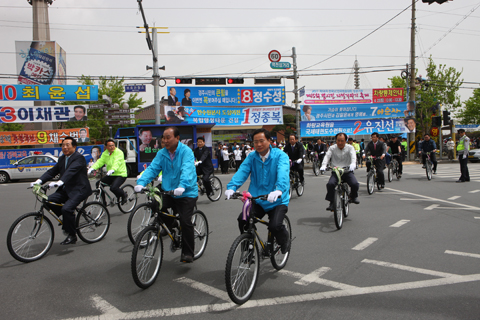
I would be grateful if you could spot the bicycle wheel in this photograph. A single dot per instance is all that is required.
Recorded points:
(279, 260)
(316, 168)
(429, 170)
(139, 219)
(95, 196)
(242, 269)
(216, 188)
(338, 209)
(147, 256)
(390, 173)
(200, 233)
(131, 199)
(300, 188)
(290, 190)
(346, 201)
(397, 173)
(370, 182)
(93, 222)
(30, 237)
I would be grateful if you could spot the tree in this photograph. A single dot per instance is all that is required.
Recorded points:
(11, 127)
(112, 87)
(470, 114)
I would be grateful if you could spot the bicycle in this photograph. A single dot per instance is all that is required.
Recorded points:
(243, 261)
(100, 193)
(147, 254)
(428, 165)
(295, 182)
(341, 198)
(372, 176)
(393, 168)
(216, 188)
(316, 164)
(31, 236)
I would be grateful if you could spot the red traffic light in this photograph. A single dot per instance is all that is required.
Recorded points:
(183, 80)
(235, 80)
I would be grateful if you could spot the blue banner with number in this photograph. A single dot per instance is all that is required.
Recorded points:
(353, 127)
(11, 92)
(209, 96)
(354, 111)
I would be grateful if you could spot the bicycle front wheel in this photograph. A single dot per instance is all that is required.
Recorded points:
(279, 259)
(338, 210)
(390, 173)
(93, 222)
(147, 256)
(139, 219)
(370, 183)
(316, 168)
(346, 200)
(200, 233)
(300, 188)
(30, 237)
(242, 269)
(429, 170)
(290, 190)
(216, 189)
(131, 202)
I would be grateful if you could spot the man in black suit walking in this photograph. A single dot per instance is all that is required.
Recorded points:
(73, 186)
(296, 152)
(204, 164)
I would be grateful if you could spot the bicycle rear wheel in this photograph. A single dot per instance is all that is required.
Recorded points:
(147, 256)
(216, 188)
(200, 233)
(30, 237)
(338, 209)
(279, 259)
(370, 182)
(93, 222)
(316, 168)
(139, 219)
(290, 190)
(390, 173)
(242, 269)
(429, 170)
(131, 199)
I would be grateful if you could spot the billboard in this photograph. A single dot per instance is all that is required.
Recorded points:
(350, 96)
(16, 92)
(353, 111)
(43, 114)
(40, 62)
(226, 96)
(226, 116)
(27, 138)
(353, 127)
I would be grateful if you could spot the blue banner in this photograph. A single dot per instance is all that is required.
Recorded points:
(16, 92)
(226, 96)
(354, 111)
(352, 127)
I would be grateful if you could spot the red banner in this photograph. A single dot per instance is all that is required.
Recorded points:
(22, 138)
(387, 95)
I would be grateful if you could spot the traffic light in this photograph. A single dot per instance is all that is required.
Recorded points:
(268, 80)
(446, 118)
(210, 81)
(437, 121)
(235, 80)
(437, 1)
(183, 80)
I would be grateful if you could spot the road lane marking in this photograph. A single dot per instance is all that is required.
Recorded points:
(362, 245)
(312, 276)
(431, 207)
(399, 223)
(105, 307)
(474, 191)
(465, 254)
(476, 217)
(408, 268)
(454, 198)
(217, 293)
(315, 277)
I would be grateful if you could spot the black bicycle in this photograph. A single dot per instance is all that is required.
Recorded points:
(341, 198)
(216, 188)
(243, 261)
(372, 176)
(31, 236)
(295, 182)
(393, 168)
(316, 164)
(428, 165)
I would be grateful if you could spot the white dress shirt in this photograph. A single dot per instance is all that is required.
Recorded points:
(340, 157)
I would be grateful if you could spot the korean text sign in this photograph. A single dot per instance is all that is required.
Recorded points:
(9, 92)
(22, 138)
(352, 127)
(227, 96)
(350, 96)
(41, 113)
(353, 111)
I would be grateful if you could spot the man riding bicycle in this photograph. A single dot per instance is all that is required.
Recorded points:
(114, 160)
(177, 163)
(204, 164)
(268, 169)
(377, 149)
(296, 152)
(320, 148)
(428, 145)
(396, 148)
(341, 155)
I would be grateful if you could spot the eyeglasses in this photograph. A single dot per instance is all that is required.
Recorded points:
(66, 145)
(259, 141)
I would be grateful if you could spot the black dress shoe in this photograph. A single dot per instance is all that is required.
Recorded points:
(186, 258)
(284, 248)
(355, 200)
(330, 206)
(69, 240)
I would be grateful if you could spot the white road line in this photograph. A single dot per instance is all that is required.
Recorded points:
(362, 245)
(106, 308)
(325, 282)
(222, 295)
(465, 254)
(399, 223)
(454, 198)
(311, 277)
(433, 206)
(474, 191)
(476, 217)
(411, 269)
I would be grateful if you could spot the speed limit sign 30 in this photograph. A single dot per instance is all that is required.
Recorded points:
(274, 56)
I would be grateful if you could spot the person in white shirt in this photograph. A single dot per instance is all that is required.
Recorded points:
(341, 155)
(248, 151)
(238, 157)
(450, 147)
(226, 159)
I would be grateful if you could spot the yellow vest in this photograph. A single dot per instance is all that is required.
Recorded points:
(461, 144)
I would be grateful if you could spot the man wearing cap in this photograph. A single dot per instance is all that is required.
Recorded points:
(238, 157)
(450, 146)
(225, 159)
(463, 147)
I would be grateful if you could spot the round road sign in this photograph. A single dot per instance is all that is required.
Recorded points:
(274, 56)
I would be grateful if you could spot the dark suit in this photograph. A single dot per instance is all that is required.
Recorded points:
(187, 102)
(377, 152)
(83, 140)
(76, 187)
(319, 149)
(206, 167)
(171, 101)
(294, 153)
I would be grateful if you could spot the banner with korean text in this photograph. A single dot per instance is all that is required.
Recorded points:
(17, 92)
(350, 96)
(23, 138)
(225, 116)
(352, 127)
(353, 111)
(43, 114)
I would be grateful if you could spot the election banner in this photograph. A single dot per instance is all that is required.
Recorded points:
(353, 111)
(225, 116)
(226, 96)
(43, 114)
(16, 92)
(23, 138)
(352, 127)
(350, 96)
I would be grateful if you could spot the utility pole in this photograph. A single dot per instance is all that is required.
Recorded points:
(295, 89)
(411, 136)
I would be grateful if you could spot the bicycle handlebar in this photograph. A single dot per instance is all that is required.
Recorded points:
(239, 195)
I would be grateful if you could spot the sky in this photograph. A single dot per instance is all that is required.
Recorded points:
(226, 38)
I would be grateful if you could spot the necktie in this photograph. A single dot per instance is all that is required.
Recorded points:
(374, 146)
(66, 161)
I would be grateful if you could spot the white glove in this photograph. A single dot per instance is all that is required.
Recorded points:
(352, 167)
(160, 178)
(298, 161)
(311, 152)
(138, 188)
(89, 170)
(199, 162)
(58, 183)
(110, 172)
(322, 152)
(139, 176)
(36, 182)
(178, 191)
(464, 156)
(229, 193)
(273, 196)
(323, 168)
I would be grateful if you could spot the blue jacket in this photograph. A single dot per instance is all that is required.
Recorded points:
(179, 173)
(428, 146)
(268, 176)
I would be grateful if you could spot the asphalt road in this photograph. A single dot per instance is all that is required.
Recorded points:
(410, 251)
